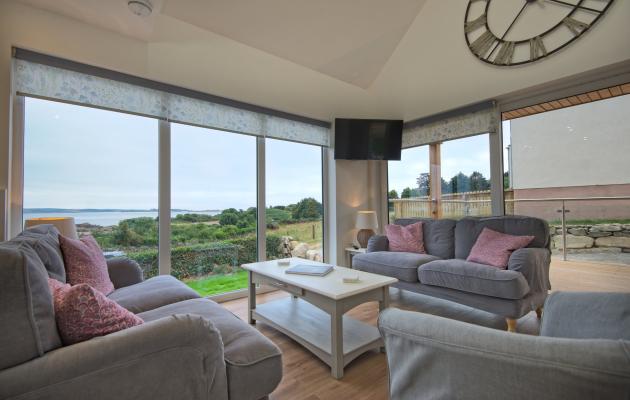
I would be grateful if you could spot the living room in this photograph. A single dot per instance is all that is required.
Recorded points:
(187, 148)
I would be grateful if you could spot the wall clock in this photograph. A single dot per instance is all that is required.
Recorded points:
(515, 32)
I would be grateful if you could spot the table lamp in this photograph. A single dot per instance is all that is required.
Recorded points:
(65, 225)
(366, 223)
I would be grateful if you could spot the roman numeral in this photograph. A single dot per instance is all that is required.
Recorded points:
(506, 52)
(474, 24)
(536, 48)
(575, 26)
(482, 44)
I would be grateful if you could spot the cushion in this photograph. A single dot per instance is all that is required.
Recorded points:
(44, 239)
(468, 229)
(399, 265)
(85, 263)
(494, 248)
(474, 278)
(253, 362)
(405, 238)
(438, 235)
(26, 308)
(82, 313)
(152, 293)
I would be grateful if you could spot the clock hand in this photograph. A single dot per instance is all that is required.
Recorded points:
(576, 5)
(509, 27)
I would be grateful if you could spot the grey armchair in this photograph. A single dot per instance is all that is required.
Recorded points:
(583, 353)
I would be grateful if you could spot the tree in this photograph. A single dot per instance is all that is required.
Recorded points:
(424, 184)
(308, 208)
(478, 182)
(392, 194)
(446, 189)
(460, 183)
(228, 218)
(406, 193)
(506, 180)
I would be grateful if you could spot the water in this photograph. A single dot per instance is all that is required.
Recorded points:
(106, 218)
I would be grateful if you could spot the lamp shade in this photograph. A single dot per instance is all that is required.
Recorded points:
(65, 225)
(366, 220)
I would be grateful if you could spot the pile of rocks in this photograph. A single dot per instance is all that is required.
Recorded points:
(302, 250)
(593, 238)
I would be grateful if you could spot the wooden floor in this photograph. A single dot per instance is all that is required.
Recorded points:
(306, 377)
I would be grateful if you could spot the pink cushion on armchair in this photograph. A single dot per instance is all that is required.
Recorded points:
(85, 263)
(405, 238)
(495, 248)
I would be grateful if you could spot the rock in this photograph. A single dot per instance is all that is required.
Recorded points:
(595, 250)
(559, 231)
(606, 228)
(311, 254)
(625, 250)
(599, 234)
(577, 231)
(613, 241)
(622, 234)
(574, 242)
(300, 250)
(293, 244)
(626, 227)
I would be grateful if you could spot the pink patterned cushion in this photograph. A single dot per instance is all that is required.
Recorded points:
(494, 248)
(85, 263)
(405, 238)
(83, 312)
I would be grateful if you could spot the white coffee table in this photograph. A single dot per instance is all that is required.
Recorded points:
(313, 315)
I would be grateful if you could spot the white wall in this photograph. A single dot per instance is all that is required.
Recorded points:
(583, 145)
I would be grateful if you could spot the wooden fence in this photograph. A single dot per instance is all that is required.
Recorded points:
(455, 205)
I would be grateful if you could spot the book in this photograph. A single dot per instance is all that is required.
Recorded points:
(309, 269)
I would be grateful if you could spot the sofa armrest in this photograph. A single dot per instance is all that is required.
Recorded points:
(584, 315)
(124, 271)
(180, 356)
(434, 357)
(533, 263)
(378, 243)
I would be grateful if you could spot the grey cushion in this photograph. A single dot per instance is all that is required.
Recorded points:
(378, 243)
(474, 278)
(26, 309)
(438, 235)
(400, 265)
(254, 363)
(152, 293)
(587, 315)
(468, 229)
(124, 271)
(44, 239)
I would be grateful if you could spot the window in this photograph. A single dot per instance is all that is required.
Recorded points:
(213, 202)
(99, 167)
(294, 210)
(408, 181)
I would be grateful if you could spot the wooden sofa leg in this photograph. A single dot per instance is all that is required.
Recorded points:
(511, 324)
(539, 312)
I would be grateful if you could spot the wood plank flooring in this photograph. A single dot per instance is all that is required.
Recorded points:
(307, 378)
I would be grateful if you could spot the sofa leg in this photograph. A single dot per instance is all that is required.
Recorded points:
(511, 324)
(539, 312)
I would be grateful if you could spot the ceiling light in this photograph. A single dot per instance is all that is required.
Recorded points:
(141, 8)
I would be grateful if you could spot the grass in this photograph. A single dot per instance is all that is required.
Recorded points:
(302, 232)
(219, 283)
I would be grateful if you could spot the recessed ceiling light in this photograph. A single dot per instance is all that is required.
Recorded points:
(141, 8)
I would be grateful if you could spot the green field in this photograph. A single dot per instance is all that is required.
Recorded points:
(301, 231)
(219, 283)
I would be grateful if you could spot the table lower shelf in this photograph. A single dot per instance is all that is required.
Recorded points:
(311, 327)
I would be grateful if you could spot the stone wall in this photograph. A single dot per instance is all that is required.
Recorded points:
(597, 238)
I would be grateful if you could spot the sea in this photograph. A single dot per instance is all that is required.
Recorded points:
(106, 218)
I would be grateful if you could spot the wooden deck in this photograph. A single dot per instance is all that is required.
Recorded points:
(307, 378)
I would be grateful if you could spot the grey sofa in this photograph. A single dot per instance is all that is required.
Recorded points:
(583, 352)
(188, 347)
(444, 272)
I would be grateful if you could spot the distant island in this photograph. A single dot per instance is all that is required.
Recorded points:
(84, 210)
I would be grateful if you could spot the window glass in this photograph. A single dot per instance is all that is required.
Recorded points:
(408, 184)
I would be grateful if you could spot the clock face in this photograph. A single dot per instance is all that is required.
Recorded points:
(515, 32)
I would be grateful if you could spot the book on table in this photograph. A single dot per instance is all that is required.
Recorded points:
(309, 269)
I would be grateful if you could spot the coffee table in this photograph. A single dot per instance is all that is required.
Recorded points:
(313, 315)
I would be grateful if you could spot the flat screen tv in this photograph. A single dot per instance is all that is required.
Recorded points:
(368, 139)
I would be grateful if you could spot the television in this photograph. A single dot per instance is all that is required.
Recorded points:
(368, 139)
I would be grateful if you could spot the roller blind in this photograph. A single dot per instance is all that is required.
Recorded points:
(55, 83)
(472, 120)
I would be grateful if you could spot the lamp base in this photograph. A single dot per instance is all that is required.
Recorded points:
(363, 236)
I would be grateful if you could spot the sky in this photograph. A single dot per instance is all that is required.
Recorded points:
(80, 157)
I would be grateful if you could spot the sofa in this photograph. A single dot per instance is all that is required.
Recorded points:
(582, 353)
(188, 348)
(443, 271)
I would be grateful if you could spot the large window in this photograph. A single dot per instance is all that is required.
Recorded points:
(101, 168)
(213, 200)
(294, 200)
(408, 181)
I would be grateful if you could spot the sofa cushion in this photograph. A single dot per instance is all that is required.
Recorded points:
(44, 239)
(405, 238)
(438, 235)
(476, 278)
(468, 229)
(26, 308)
(495, 248)
(254, 363)
(400, 265)
(152, 293)
(85, 263)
